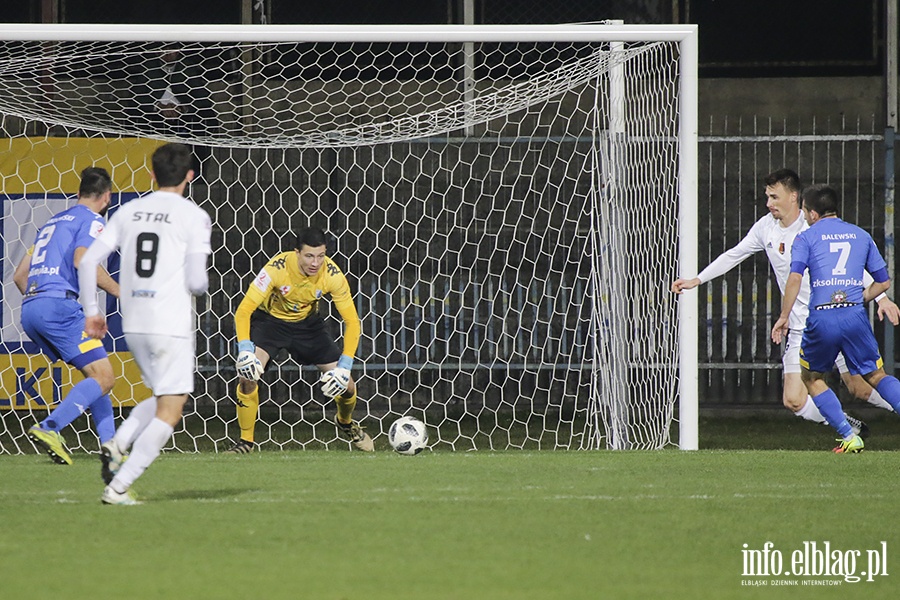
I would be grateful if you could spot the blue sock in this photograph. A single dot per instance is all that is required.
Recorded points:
(76, 402)
(104, 422)
(830, 407)
(889, 388)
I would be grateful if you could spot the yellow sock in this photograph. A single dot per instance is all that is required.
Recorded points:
(345, 407)
(248, 404)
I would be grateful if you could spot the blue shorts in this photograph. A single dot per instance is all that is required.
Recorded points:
(844, 330)
(56, 325)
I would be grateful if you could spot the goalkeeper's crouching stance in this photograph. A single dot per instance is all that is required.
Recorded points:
(280, 311)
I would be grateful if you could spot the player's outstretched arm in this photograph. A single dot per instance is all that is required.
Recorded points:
(751, 244)
(679, 285)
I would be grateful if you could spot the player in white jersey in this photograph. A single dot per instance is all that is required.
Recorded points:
(774, 233)
(164, 240)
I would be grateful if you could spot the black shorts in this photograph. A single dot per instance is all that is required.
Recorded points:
(309, 341)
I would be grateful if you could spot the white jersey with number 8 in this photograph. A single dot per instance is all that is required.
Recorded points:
(155, 233)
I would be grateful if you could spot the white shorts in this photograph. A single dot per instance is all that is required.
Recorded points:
(790, 360)
(167, 363)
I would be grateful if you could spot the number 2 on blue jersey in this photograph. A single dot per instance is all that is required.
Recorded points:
(40, 245)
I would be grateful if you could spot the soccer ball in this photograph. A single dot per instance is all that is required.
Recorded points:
(408, 435)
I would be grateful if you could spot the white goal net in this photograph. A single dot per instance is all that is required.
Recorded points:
(508, 204)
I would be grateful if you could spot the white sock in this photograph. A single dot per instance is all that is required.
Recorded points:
(131, 428)
(146, 448)
(876, 399)
(810, 412)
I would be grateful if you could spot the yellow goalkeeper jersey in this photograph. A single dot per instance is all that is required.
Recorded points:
(283, 291)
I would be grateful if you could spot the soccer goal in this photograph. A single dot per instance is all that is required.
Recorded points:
(510, 203)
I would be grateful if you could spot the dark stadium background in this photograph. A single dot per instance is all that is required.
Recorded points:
(748, 38)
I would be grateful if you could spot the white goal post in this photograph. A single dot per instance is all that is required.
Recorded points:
(510, 203)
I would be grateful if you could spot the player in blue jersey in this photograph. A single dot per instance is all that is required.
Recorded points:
(52, 316)
(836, 253)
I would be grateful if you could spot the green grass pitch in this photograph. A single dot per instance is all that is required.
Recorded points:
(443, 525)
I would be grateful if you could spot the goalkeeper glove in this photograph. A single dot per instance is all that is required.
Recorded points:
(336, 381)
(248, 366)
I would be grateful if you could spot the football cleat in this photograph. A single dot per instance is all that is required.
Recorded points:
(52, 443)
(111, 496)
(859, 427)
(111, 460)
(242, 447)
(354, 432)
(853, 445)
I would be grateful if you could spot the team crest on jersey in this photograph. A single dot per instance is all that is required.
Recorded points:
(285, 289)
(838, 297)
(278, 263)
(262, 281)
(781, 248)
(96, 228)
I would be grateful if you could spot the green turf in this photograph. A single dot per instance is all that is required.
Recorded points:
(779, 430)
(477, 525)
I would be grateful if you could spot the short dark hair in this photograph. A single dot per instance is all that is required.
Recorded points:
(171, 163)
(822, 199)
(95, 181)
(312, 237)
(786, 177)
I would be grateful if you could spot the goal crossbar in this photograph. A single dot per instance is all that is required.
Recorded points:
(346, 33)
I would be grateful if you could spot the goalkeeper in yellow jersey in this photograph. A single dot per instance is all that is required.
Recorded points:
(280, 311)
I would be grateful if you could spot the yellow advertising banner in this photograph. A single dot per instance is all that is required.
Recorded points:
(32, 382)
(54, 165)
(31, 171)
